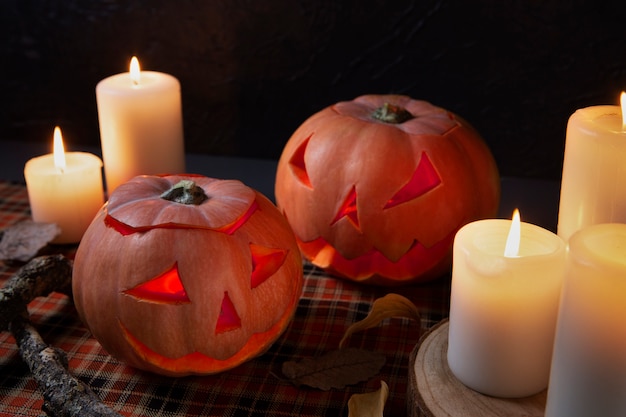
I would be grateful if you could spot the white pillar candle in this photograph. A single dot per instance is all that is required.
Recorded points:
(588, 376)
(503, 309)
(594, 170)
(68, 195)
(141, 127)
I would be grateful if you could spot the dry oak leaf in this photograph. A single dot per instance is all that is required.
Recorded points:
(371, 404)
(335, 369)
(391, 305)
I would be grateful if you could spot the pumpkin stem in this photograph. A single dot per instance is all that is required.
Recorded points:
(393, 114)
(185, 192)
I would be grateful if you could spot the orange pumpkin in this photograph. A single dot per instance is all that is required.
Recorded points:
(376, 188)
(187, 274)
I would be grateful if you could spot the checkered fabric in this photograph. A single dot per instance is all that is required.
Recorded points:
(256, 388)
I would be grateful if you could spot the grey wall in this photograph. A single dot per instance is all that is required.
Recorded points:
(252, 71)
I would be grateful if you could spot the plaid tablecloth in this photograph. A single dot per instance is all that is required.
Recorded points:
(327, 307)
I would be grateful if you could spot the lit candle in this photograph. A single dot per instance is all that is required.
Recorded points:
(594, 169)
(503, 306)
(588, 376)
(141, 128)
(65, 188)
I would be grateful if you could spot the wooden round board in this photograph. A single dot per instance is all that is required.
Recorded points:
(435, 392)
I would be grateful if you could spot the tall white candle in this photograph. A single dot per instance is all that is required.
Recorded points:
(594, 170)
(503, 308)
(588, 376)
(141, 127)
(68, 193)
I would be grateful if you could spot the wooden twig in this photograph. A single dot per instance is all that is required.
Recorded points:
(38, 278)
(64, 395)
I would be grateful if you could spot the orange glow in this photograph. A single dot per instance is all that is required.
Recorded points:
(424, 179)
(166, 288)
(265, 263)
(349, 209)
(298, 164)
(376, 267)
(228, 319)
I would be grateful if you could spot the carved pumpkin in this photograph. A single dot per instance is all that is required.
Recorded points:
(187, 274)
(376, 188)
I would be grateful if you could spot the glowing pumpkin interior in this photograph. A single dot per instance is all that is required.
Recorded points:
(168, 287)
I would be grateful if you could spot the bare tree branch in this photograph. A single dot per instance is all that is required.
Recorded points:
(63, 394)
(37, 278)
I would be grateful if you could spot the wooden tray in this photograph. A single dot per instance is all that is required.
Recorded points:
(435, 392)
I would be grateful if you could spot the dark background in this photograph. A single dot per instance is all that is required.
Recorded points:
(253, 70)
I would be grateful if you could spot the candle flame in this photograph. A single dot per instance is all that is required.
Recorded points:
(59, 150)
(623, 103)
(511, 249)
(135, 71)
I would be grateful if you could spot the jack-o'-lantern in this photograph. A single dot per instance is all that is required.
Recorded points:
(187, 274)
(376, 188)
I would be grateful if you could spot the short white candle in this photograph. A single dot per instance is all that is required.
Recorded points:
(594, 170)
(141, 127)
(588, 376)
(69, 195)
(503, 309)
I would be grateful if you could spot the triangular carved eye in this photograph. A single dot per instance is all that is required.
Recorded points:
(265, 262)
(165, 288)
(228, 319)
(348, 209)
(298, 166)
(424, 179)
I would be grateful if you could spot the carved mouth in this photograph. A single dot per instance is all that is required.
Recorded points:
(417, 261)
(197, 363)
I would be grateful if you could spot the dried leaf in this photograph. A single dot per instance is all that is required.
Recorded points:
(335, 369)
(391, 305)
(22, 241)
(370, 404)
